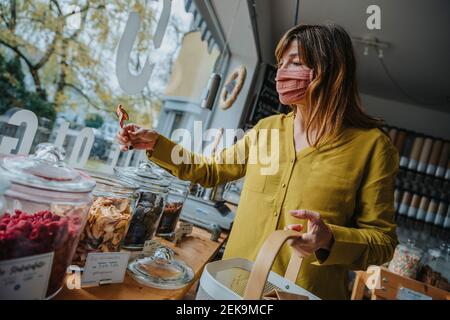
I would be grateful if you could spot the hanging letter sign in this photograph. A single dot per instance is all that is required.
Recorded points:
(130, 83)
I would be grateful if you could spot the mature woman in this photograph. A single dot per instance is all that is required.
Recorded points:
(336, 169)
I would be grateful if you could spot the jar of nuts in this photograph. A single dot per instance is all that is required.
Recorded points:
(109, 217)
(153, 190)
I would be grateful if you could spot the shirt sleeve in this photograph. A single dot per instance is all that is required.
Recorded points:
(227, 165)
(373, 238)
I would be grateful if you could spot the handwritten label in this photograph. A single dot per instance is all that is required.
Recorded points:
(25, 278)
(408, 294)
(103, 268)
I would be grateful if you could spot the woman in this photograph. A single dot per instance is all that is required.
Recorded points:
(335, 180)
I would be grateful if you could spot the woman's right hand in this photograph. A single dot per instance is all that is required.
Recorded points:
(132, 135)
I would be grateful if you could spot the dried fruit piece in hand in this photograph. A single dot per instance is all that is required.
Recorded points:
(121, 114)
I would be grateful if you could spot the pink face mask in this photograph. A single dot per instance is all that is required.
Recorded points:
(292, 84)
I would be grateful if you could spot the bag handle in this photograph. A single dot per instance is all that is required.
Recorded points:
(264, 261)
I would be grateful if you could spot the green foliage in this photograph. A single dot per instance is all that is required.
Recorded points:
(72, 68)
(93, 120)
(15, 95)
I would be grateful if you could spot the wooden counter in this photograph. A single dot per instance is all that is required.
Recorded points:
(196, 250)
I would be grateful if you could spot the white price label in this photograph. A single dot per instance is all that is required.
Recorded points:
(105, 267)
(408, 294)
(25, 278)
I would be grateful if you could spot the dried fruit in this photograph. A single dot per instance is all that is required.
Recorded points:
(145, 219)
(170, 217)
(107, 224)
(23, 235)
(121, 114)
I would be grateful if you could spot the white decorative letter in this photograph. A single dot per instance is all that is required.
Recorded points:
(374, 20)
(133, 84)
(23, 116)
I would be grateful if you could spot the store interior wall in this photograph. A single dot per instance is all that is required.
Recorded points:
(378, 94)
(412, 117)
(417, 58)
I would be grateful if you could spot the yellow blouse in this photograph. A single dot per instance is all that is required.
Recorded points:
(349, 180)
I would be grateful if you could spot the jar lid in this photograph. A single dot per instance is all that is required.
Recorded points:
(108, 185)
(45, 169)
(160, 270)
(435, 253)
(174, 181)
(143, 175)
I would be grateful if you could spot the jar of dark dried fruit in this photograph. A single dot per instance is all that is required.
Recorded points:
(178, 192)
(152, 196)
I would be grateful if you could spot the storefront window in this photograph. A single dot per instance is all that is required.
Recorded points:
(60, 81)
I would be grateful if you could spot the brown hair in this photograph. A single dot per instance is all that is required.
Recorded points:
(332, 98)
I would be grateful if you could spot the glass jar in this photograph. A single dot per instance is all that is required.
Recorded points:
(152, 195)
(406, 260)
(160, 270)
(178, 192)
(436, 267)
(46, 208)
(4, 185)
(109, 217)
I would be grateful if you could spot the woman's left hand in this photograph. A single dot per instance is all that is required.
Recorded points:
(319, 235)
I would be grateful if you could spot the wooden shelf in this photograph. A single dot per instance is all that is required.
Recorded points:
(196, 250)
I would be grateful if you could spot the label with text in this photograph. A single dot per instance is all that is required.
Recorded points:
(25, 278)
(104, 268)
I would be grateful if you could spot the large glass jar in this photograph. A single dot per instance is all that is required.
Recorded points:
(45, 211)
(436, 267)
(109, 217)
(149, 207)
(4, 185)
(407, 260)
(178, 192)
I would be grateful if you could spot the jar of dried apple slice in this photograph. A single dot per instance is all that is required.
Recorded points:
(109, 217)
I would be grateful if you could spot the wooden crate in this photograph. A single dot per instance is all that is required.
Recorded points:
(385, 285)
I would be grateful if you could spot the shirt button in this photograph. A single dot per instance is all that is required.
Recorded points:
(283, 185)
(292, 160)
(275, 213)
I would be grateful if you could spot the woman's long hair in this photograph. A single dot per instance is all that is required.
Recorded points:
(332, 98)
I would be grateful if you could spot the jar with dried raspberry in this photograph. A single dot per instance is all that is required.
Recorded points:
(45, 210)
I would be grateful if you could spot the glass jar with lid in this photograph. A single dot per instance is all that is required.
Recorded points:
(152, 196)
(178, 192)
(109, 217)
(436, 267)
(4, 185)
(406, 260)
(160, 270)
(45, 211)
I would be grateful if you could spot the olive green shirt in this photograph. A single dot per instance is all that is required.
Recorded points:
(349, 180)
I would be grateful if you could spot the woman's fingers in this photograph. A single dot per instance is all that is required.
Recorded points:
(306, 214)
(121, 139)
(295, 227)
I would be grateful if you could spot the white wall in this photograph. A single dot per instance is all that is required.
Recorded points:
(409, 116)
